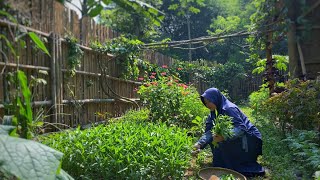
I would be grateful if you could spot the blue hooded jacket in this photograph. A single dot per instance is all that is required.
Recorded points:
(225, 107)
(239, 152)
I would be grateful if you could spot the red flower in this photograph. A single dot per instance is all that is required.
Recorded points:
(140, 78)
(152, 77)
(148, 85)
(164, 66)
(153, 73)
(163, 73)
(179, 69)
(154, 83)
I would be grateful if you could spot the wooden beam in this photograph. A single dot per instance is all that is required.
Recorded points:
(49, 103)
(107, 76)
(8, 24)
(35, 103)
(25, 66)
(96, 100)
(315, 5)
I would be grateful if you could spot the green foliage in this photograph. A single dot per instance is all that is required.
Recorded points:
(257, 98)
(223, 126)
(185, 8)
(172, 102)
(74, 54)
(227, 177)
(25, 159)
(134, 115)
(132, 22)
(125, 51)
(276, 155)
(280, 64)
(298, 106)
(20, 107)
(225, 75)
(225, 25)
(306, 150)
(124, 150)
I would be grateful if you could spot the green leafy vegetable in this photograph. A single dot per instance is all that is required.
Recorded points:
(223, 126)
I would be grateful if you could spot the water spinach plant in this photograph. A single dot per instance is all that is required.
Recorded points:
(124, 150)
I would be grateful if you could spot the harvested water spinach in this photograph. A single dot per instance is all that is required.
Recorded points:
(223, 126)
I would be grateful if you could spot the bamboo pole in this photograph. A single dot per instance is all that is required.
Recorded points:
(36, 103)
(53, 79)
(25, 66)
(303, 66)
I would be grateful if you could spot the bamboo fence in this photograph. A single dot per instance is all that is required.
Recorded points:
(77, 100)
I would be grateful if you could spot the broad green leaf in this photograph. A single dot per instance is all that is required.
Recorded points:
(95, 11)
(38, 42)
(5, 130)
(28, 159)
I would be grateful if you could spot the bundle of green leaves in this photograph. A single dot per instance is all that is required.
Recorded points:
(124, 150)
(223, 126)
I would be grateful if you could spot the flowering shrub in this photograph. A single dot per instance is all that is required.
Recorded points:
(172, 102)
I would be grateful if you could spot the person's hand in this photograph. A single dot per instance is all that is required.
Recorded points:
(217, 138)
(196, 149)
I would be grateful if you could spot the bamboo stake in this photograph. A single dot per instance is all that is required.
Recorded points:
(303, 66)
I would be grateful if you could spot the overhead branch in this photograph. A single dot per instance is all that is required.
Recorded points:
(205, 39)
(190, 48)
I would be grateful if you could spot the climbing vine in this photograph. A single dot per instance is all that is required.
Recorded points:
(74, 54)
(125, 51)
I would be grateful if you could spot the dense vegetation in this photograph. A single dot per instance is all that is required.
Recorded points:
(155, 143)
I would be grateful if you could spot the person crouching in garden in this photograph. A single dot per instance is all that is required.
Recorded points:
(239, 152)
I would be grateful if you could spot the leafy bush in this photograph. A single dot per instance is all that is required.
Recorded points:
(298, 106)
(225, 75)
(306, 150)
(172, 102)
(124, 150)
(257, 98)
